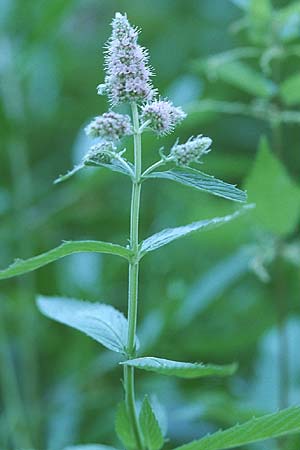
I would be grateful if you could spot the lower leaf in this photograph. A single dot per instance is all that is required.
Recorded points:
(101, 322)
(152, 434)
(123, 427)
(269, 426)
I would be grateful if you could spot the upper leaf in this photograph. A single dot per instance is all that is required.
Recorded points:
(276, 195)
(123, 427)
(101, 322)
(152, 434)
(180, 369)
(67, 248)
(269, 426)
(117, 164)
(203, 182)
(168, 235)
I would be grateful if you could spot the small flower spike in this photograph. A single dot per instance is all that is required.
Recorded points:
(110, 126)
(126, 63)
(190, 151)
(101, 152)
(162, 116)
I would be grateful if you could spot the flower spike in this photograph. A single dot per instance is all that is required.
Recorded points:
(126, 62)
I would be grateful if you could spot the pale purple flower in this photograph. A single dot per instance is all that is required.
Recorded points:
(110, 126)
(126, 63)
(162, 116)
(190, 151)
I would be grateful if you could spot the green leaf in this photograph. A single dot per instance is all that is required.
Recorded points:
(260, 18)
(288, 21)
(199, 180)
(180, 369)
(276, 195)
(69, 174)
(90, 447)
(290, 90)
(242, 76)
(168, 235)
(152, 434)
(123, 427)
(260, 11)
(66, 248)
(117, 164)
(101, 322)
(269, 426)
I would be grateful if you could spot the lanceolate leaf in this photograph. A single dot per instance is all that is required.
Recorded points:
(123, 427)
(69, 174)
(199, 180)
(168, 235)
(180, 369)
(67, 248)
(116, 165)
(269, 426)
(101, 322)
(152, 434)
(90, 447)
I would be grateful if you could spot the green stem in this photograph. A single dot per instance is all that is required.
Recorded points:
(133, 279)
(155, 166)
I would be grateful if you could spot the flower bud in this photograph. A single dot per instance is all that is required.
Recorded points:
(101, 153)
(110, 126)
(162, 116)
(191, 151)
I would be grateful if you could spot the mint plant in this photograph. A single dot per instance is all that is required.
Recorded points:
(128, 80)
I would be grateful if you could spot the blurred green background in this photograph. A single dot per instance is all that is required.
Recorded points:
(231, 294)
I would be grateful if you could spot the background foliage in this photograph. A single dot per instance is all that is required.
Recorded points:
(231, 294)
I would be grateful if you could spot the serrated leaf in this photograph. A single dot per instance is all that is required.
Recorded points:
(269, 426)
(20, 266)
(152, 434)
(199, 180)
(276, 195)
(90, 447)
(123, 427)
(105, 324)
(242, 76)
(180, 369)
(290, 90)
(168, 235)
